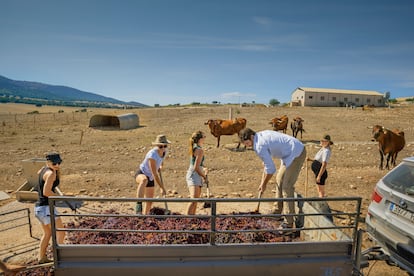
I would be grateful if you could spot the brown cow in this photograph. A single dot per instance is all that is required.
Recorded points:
(297, 126)
(389, 142)
(280, 123)
(226, 127)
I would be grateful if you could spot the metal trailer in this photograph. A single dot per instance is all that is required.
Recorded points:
(326, 245)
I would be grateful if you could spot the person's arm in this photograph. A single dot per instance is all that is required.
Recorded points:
(49, 178)
(321, 171)
(155, 175)
(265, 179)
(269, 168)
(198, 153)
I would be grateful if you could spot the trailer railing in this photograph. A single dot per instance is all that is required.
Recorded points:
(320, 229)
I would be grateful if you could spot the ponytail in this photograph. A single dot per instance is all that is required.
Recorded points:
(195, 137)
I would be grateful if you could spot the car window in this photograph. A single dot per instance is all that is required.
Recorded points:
(401, 179)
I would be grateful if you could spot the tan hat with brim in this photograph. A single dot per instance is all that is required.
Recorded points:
(327, 137)
(161, 140)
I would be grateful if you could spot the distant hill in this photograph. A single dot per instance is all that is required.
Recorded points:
(40, 93)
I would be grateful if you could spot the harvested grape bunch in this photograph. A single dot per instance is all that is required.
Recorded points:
(239, 227)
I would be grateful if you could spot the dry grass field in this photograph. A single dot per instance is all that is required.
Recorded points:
(100, 162)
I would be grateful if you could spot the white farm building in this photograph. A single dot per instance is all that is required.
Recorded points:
(309, 96)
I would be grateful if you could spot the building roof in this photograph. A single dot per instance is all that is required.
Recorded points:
(340, 91)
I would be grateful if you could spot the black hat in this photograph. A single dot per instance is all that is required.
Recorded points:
(53, 157)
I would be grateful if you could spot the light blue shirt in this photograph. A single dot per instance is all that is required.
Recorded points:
(270, 144)
(145, 166)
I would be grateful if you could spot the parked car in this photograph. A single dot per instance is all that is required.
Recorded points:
(390, 217)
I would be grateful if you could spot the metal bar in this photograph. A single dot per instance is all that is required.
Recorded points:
(13, 227)
(218, 200)
(355, 234)
(14, 219)
(357, 258)
(212, 231)
(53, 225)
(14, 211)
(18, 218)
(213, 223)
(30, 223)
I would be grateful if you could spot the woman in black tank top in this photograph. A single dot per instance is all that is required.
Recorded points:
(48, 182)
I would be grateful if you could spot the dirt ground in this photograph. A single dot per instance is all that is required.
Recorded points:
(100, 162)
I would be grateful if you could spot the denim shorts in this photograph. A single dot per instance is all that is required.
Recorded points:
(42, 213)
(193, 178)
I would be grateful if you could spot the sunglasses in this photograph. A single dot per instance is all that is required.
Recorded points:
(56, 163)
(163, 147)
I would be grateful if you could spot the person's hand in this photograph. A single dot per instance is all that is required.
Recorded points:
(262, 187)
(163, 191)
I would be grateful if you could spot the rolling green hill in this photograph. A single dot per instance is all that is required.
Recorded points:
(40, 93)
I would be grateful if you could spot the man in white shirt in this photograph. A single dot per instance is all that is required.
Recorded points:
(270, 144)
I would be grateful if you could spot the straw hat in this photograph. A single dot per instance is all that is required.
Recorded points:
(161, 140)
(327, 137)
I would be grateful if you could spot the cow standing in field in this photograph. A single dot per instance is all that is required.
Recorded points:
(389, 143)
(225, 127)
(297, 126)
(280, 123)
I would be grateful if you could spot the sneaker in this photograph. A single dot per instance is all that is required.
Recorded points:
(138, 208)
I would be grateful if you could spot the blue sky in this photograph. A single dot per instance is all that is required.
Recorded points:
(183, 51)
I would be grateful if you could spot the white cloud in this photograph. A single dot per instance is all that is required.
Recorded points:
(407, 84)
(263, 21)
(236, 94)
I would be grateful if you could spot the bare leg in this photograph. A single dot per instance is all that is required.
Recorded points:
(44, 241)
(142, 182)
(149, 193)
(195, 192)
(60, 235)
(321, 190)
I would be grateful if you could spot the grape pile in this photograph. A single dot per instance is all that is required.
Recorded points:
(235, 224)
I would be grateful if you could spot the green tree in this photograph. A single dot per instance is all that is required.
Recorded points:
(274, 102)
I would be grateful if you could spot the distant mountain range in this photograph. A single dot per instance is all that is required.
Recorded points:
(36, 92)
